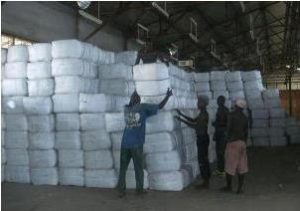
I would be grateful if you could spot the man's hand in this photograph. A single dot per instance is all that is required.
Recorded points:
(169, 92)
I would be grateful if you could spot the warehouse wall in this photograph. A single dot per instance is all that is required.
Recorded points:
(48, 21)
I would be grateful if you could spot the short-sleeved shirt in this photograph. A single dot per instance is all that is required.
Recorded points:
(237, 127)
(135, 120)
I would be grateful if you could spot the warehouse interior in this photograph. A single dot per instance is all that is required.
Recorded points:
(69, 67)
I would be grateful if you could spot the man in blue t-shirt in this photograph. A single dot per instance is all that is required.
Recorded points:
(135, 114)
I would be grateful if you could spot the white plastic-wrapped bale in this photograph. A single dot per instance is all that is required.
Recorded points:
(40, 52)
(259, 132)
(236, 95)
(115, 71)
(16, 139)
(19, 174)
(209, 94)
(251, 75)
(171, 104)
(152, 88)
(12, 105)
(116, 140)
(116, 87)
(42, 158)
(116, 158)
(39, 70)
(42, 140)
(131, 181)
(150, 72)
(67, 49)
(41, 87)
(16, 122)
(95, 103)
(17, 53)
(278, 141)
(218, 85)
(218, 93)
(70, 158)
(270, 94)
(73, 67)
(252, 93)
(94, 121)
(16, 70)
(66, 103)
(277, 113)
(260, 114)
(277, 122)
(17, 157)
(218, 75)
(253, 85)
(68, 140)
(202, 86)
(114, 122)
(256, 103)
(201, 77)
(75, 84)
(100, 159)
(67, 121)
(119, 102)
(101, 178)
(106, 57)
(273, 103)
(167, 181)
(126, 57)
(189, 152)
(14, 87)
(163, 121)
(261, 141)
(260, 123)
(163, 161)
(41, 123)
(276, 131)
(3, 55)
(37, 105)
(159, 142)
(44, 176)
(95, 140)
(234, 86)
(71, 176)
(234, 76)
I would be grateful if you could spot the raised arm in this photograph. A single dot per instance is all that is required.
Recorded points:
(186, 117)
(165, 100)
(190, 124)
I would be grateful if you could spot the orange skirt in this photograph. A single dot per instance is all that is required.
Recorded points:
(236, 158)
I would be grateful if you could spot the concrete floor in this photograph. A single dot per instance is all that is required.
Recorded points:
(273, 184)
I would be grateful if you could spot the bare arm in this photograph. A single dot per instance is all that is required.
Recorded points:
(186, 117)
(190, 124)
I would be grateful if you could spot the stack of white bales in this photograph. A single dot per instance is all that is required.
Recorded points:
(74, 67)
(3, 154)
(277, 119)
(260, 115)
(14, 88)
(39, 110)
(202, 84)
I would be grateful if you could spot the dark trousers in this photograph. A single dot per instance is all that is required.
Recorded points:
(138, 160)
(220, 139)
(202, 145)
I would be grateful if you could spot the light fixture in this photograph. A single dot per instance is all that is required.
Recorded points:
(288, 66)
(83, 4)
(160, 9)
(298, 68)
(90, 17)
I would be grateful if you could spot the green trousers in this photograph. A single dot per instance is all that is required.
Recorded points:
(138, 160)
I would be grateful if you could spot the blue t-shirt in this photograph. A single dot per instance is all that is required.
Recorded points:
(135, 120)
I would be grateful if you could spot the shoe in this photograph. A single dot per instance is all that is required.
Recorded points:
(121, 194)
(226, 189)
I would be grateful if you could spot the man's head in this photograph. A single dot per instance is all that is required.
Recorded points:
(240, 103)
(134, 99)
(221, 100)
(202, 101)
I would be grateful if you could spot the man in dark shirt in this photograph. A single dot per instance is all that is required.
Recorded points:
(133, 139)
(220, 125)
(235, 154)
(200, 124)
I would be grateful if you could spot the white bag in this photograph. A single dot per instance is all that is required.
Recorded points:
(167, 181)
(70, 158)
(218, 85)
(256, 103)
(252, 93)
(37, 105)
(101, 178)
(12, 105)
(14, 87)
(95, 140)
(71, 176)
(159, 142)
(75, 84)
(67, 121)
(260, 114)
(202, 87)
(16, 122)
(201, 77)
(163, 161)
(16, 139)
(41, 87)
(116, 87)
(126, 57)
(163, 121)
(67, 49)
(236, 95)
(19, 174)
(16, 70)
(114, 122)
(93, 121)
(17, 157)
(39, 70)
(218, 75)
(233, 76)
(44, 176)
(42, 158)
(152, 88)
(251, 75)
(234, 86)
(150, 72)
(253, 85)
(100, 159)
(66, 103)
(43, 140)
(95, 103)
(68, 140)
(41, 123)
(39, 52)
(115, 71)
(17, 53)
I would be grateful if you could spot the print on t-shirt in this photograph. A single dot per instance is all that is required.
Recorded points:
(133, 119)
